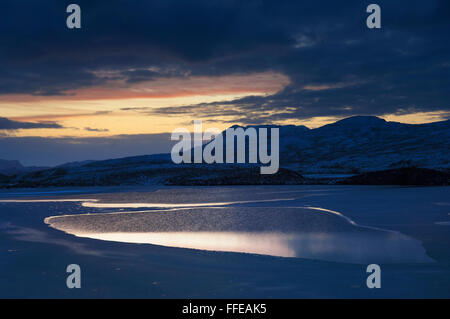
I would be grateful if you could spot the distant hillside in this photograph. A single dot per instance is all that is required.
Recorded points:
(354, 145)
(400, 176)
(363, 143)
(150, 170)
(3, 179)
(12, 167)
(233, 175)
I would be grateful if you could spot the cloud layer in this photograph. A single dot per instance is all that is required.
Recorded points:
(336, 65)
(7, 124)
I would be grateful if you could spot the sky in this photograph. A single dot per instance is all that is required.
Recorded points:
(137, 70)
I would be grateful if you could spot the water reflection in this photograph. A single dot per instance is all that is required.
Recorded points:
(94, 204)
(338, 247)
(301, 232)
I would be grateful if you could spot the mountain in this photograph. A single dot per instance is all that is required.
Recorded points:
(75, 164)
(363, 143)
(354, 145)
(12, 167)
(366, 143)
(150, 170)
(3, 179)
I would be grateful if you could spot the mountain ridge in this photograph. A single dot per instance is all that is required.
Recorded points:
(12, 167)
(350, 146)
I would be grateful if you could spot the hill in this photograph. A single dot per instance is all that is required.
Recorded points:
(356, 145)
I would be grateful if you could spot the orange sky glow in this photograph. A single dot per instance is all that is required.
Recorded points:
(101, 109)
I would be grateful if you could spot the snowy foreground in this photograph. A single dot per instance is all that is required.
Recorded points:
(226, 242)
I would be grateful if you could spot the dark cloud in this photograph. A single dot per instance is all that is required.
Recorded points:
(402, 66)
(89, 129)
(6, 124)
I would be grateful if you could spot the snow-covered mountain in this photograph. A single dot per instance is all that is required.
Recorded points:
(350, 146)
(363, 143)
(366, 143)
